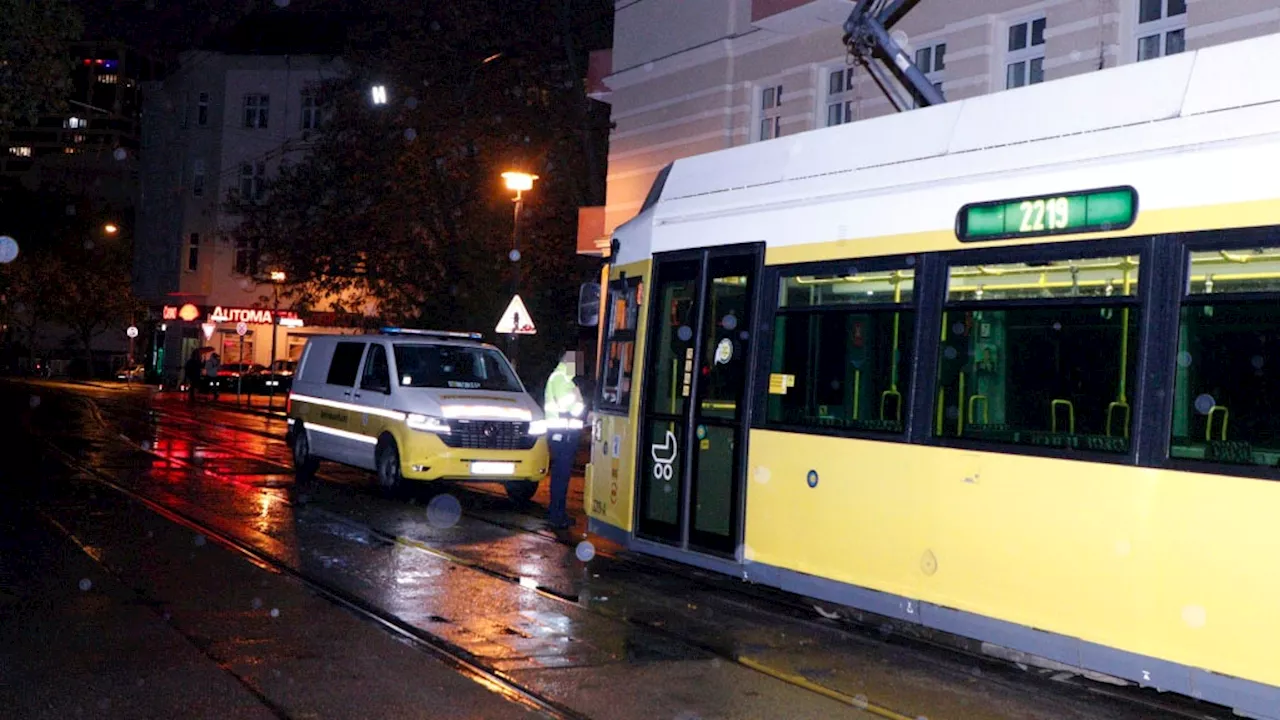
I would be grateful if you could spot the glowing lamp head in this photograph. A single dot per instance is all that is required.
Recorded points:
(110, 228)
(277, 276)
(519, 181)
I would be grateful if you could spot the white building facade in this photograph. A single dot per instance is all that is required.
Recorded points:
(218, 126)
(685, 78)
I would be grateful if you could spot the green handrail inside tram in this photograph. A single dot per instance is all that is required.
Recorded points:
(1071, 415)
(974, 400)
(1208, 424)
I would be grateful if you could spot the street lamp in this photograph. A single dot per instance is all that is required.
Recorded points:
(379, 93)
(520, 182)
(277, 277)
(110, 228)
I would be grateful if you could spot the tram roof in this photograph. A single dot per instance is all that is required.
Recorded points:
(1115, 112)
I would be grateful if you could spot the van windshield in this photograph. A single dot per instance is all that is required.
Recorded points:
(460, 368)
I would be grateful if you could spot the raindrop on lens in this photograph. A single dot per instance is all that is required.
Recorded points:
(952, 413)
(1205, 403)
(282, 3)
(444, 511)
(199, 541)
(257, 603)
(1257, 362)
(120, 154)
(88, 244)
(35, 401)
(685, 333)
(729, 322)
(86, 584)
(514, 255)
(411, 102)
(1184, 359)
(958, 328)
(275, 612)
(950, 352)
(1057, 326)
(911, 260)
(410, 134)
(585, 551)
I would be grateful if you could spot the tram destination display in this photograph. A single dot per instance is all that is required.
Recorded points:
(1075, 212)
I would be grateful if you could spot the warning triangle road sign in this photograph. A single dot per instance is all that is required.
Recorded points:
(515, 320)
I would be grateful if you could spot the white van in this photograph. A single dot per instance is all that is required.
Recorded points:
(416, 405)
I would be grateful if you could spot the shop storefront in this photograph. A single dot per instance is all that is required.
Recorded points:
(239, 335)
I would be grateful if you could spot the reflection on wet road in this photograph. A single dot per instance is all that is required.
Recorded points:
(607, 635)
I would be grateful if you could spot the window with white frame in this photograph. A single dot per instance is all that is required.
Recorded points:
(932, 60)
(253, 176)
(202, 110)
(256, 108)
(1024, 62)
(310, 109)
(1162, 28)
(20, 150)
(246, 260)
(840, 86)
(193, 252)
(197, 178)
(770, 112)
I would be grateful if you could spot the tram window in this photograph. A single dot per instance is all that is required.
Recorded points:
(1040, 354)
(837, 367)
(1227, 376)
(620, 345)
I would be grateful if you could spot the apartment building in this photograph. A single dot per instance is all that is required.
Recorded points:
(685, 78)
(221, 124)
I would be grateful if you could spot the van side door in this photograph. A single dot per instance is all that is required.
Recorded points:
(372, 396)
(336, 425)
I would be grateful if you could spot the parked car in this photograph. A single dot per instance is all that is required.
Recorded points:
(280, 376)
(131, 373)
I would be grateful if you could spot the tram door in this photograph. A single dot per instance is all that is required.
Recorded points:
(696, 404)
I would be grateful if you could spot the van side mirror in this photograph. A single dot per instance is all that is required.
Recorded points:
(589, 305)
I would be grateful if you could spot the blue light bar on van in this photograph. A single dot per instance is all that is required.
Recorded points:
(432, 333)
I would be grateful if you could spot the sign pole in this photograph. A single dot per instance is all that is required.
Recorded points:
(240, 376)
(271, 386)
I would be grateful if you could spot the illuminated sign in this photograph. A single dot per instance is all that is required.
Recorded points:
(251, 316)
(1075, 212)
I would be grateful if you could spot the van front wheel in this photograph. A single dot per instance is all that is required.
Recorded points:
(522, 491)
(387, 458)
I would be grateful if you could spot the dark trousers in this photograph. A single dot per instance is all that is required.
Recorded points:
(563, 452)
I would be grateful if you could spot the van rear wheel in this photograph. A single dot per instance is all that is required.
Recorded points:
(387, 459)
(521, 491)
(304, 463)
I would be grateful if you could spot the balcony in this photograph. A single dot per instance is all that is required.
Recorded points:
(799, 17)
(592, 238)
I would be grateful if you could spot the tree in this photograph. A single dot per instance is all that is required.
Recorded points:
(35, 65)
(404, 202)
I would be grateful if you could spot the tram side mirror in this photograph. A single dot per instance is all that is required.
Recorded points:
(589, 305)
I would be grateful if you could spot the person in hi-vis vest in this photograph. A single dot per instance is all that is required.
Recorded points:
(563, 407)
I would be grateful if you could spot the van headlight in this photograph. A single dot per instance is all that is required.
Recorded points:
(538, 427)
(426, 423)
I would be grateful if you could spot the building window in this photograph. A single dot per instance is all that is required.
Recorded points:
(1040, 353)
(193, 252)
(75, 123)
(931, 61)
(70, 150)
(1162, 28)
(770, 112)
(842, 350)
(1225, 384)
(109, 79)
(840, 85)
(246, 262)
(1024, 64)
(255, 110)
(197, 178)
(310, 109)
(20, 150)
(253, 176)
(202, 110)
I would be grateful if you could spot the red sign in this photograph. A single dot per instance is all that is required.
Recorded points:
(251, 316)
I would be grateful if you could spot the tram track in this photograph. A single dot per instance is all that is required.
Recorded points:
(796, 610)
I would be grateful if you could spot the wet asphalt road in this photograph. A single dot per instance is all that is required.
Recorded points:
(565, 619)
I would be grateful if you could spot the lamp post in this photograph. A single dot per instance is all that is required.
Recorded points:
(277, 277)
(520, 182)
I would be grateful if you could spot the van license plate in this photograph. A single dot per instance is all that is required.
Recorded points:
(493, 468)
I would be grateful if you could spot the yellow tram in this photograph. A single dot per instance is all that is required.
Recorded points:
(1008, 368)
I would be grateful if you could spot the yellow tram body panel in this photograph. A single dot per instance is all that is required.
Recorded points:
(1167, 564)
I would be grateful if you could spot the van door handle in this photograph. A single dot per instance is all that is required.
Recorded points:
(357, 394)
(347, 393)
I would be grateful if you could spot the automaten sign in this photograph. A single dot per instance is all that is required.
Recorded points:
(219, 314)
